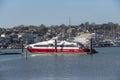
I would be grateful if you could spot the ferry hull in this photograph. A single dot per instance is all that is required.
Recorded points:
(67, 51)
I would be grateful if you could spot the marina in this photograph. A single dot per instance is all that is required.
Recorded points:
(59, 40)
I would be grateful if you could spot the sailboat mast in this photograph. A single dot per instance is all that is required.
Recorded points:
(69, 21)
(69, 27)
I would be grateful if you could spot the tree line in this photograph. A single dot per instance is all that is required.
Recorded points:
(110, 28)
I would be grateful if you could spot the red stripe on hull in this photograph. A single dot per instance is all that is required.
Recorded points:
(34, 50)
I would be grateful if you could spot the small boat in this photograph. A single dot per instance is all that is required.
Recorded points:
(57, 46)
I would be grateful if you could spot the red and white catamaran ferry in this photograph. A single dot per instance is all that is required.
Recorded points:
(57, 46)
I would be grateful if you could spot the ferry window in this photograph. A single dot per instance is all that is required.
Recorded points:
(51, 45)
(80, 45)
(40, 45)
(70, 45)
(60, 45)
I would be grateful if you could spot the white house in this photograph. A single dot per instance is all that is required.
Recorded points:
(84, 38)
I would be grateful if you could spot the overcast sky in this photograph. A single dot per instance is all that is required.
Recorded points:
(56, 12)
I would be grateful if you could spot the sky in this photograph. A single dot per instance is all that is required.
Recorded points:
(57, 12)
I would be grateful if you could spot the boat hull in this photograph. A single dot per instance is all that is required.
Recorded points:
(67, 51)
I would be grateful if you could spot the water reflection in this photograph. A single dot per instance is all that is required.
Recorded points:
(102, 66)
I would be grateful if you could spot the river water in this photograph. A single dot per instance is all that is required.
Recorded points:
(102, 66)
